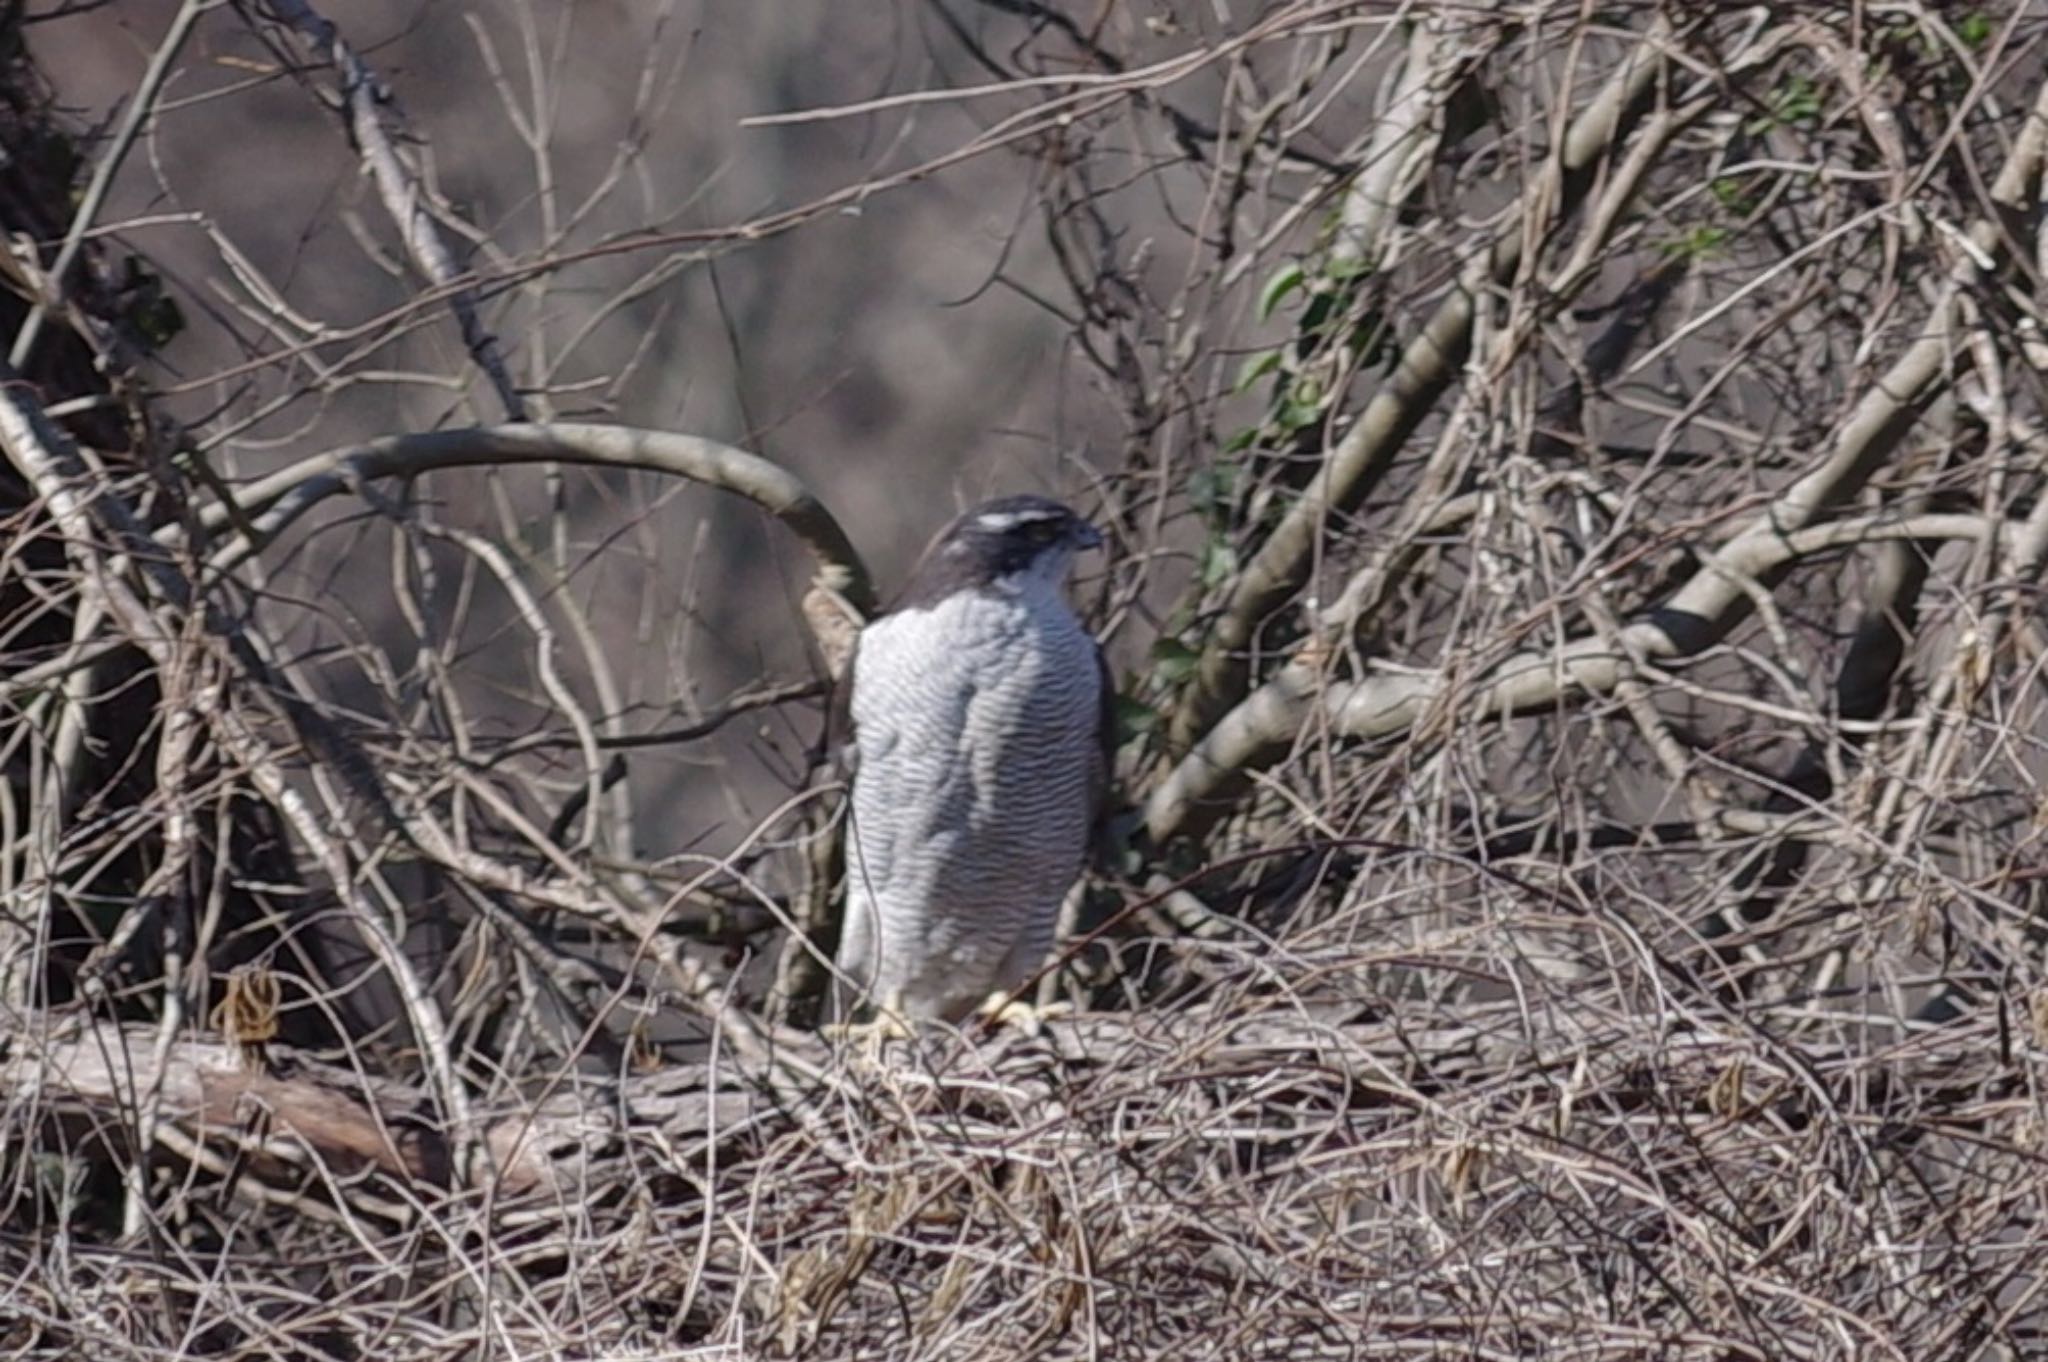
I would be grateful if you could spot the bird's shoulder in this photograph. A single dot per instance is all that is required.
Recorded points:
(921, 645)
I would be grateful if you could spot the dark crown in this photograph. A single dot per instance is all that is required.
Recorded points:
(994, 540)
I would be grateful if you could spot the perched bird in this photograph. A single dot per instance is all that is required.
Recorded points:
(980, 742)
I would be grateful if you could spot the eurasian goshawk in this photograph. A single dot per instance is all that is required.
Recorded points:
(979, 743)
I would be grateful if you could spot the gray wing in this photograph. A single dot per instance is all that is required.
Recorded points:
(853, 951)
(1102, 838)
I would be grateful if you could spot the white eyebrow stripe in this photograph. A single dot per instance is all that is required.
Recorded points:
(1002, 522)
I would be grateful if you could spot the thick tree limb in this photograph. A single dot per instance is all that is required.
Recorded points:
(1702, 611)
(274, 502)
(50, 462)
(1263, 727)
(1408, 127)
(287, 1112)
(1427, 367)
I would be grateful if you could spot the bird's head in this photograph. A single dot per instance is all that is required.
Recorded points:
(1011, 543)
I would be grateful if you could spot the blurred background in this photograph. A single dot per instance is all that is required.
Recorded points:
(904, 352)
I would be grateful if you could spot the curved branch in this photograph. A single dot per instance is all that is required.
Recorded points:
(270, 504)
(1405, 135)
(1204, 784)
(1428, 366)
(1702, 611)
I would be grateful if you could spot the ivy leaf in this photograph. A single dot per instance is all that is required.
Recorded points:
(1294, 415)
(1219, 563)
(1285, 280)
(1254, 368)
(1173, 661)
(1134, 719)
(1210, 487)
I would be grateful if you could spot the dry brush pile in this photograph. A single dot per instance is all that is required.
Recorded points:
(1578, 495)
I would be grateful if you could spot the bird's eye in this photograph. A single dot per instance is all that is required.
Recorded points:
(1042, 531)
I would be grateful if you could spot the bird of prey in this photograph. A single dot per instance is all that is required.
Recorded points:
(980, 745)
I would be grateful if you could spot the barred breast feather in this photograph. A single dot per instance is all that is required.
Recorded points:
(978, 755)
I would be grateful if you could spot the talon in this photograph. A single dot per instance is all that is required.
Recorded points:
(882, 1026)
(872, 1036)
(1030, 1018)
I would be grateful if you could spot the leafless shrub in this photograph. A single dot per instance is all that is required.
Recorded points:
(1577, 485)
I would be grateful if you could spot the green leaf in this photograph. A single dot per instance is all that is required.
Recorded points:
(1285, 280)
(1295, 415)
(1219, 563)
(1974, 28)
(1173, 661)
(1731, 194)
(1254, 368)
(159, 321)
(1698, 244)
(155, 317)
(1795, 101)
(1346, 270)
(1134, 719)
(1210, 486)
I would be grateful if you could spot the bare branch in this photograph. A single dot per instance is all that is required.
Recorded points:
(274, 502)
(1428, 365)
(369, 110)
